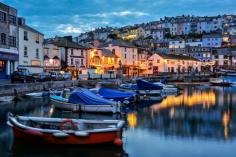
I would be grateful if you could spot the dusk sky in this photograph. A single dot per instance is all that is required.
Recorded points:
(71, 17)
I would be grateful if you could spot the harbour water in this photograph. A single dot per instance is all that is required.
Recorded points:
(199, 122)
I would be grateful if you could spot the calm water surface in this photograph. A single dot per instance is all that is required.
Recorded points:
(199, 122)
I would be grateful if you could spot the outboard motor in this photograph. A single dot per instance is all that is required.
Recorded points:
(66, 93)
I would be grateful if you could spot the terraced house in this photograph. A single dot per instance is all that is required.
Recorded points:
(30, 47)
(9, 55)
(171, 63)
(65, 55)
(104, 61)
(128, 55)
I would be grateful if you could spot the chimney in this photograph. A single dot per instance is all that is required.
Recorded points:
(21, 21)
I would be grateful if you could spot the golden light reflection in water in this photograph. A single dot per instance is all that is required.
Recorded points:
(225, 121)
(132, 120)
(197, 98)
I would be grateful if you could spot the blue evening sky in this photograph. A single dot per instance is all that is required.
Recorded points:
(71, 17)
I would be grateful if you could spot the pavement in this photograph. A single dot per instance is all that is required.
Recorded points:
(4, 82)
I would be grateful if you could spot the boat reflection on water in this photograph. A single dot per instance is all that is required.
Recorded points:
(21, 149)
(6, 140)
(198, 113)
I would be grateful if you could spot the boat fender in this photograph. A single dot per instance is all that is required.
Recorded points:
(81, 133)
(60, 134)
(118, 142)
(33, 132)
(120, 124)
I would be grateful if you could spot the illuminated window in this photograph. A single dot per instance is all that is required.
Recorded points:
(35, 63)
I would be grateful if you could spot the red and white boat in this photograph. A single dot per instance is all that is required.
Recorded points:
(66, 131)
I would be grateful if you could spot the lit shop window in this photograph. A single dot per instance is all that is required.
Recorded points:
(35, 63)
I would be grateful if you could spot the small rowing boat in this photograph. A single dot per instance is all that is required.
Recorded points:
(66, 131)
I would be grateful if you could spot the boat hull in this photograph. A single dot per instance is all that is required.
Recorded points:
(86, 108)
(36, 130)
(47, 138)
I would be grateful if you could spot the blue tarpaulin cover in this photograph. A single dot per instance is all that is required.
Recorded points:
(86, 97)
(115, 94)
(145, 85)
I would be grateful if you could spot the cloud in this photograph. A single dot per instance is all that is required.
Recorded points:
(119, 14)
(68, 28)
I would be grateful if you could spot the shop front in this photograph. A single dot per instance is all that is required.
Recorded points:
(7, 64)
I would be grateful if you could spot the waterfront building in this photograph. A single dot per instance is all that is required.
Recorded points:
(9, 55)
(128, 55)
(30, 47)
(104, 61)
(52, 56)
(143, 62)
(212, 40)
(72, 55)
(223, 57)
(171, 63)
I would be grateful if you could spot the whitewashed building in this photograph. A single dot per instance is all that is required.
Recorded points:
(128, 55)
(163, 63)
(30, 47)
(67, 55)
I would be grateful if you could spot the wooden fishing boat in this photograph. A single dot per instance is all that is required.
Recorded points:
(84, 100)
(66, 131)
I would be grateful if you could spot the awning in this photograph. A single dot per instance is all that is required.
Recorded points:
(9, 56)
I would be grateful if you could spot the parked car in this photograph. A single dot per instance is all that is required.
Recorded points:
(67, 76)
(22, 76)
(56, 76)
(44, 76)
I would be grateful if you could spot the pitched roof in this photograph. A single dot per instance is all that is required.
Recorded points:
(179, 57)
(108, 53)
(212, 36)
(120, 43)
(28, 28)
(63, 42)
